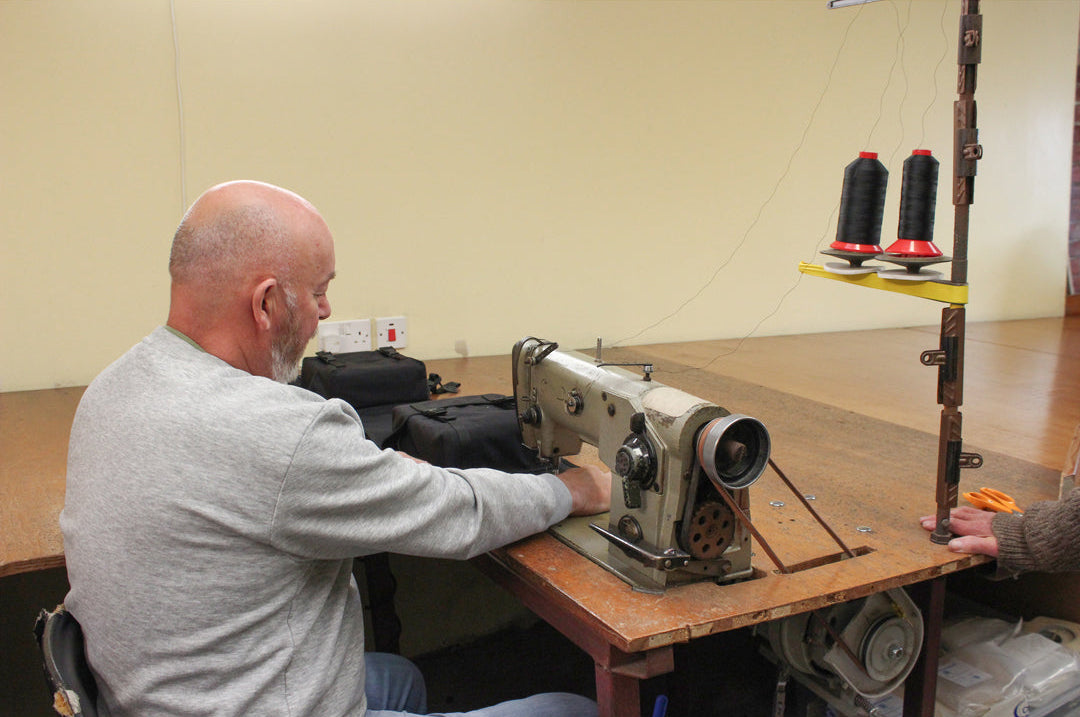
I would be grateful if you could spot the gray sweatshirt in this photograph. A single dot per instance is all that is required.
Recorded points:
(210, 522)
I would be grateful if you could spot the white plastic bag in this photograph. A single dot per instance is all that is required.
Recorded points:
(987, 662)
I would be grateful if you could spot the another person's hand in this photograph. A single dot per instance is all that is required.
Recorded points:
(972, 526)
(591, 488)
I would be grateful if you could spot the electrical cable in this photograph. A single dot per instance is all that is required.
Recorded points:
(179, 110)
(944, 52)
(902, 28)
(772, 194)
(898, 58)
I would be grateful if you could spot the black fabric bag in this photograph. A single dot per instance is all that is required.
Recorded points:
(366, 378)
(372, 382)
(465, 432)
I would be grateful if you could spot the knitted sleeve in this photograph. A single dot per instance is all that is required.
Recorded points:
(1046, 538)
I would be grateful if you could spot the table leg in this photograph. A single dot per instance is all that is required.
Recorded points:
(921, 685)
(381, 587)
(618, 673)
(617, 695)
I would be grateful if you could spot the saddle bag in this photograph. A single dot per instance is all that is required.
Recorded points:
(464, 432)
(372, 382)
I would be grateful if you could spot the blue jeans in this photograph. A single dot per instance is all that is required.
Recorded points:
(395, 688)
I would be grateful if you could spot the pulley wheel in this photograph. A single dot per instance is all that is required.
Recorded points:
(888, 648)
(733, 450)
(791, 641)
(712, 528)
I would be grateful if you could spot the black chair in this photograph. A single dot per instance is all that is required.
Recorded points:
(63, 652)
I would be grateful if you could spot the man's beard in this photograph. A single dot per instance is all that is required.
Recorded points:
(287, 348)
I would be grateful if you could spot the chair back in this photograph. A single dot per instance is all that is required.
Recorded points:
(67, 671)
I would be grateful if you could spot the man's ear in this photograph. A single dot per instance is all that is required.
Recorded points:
(264, 303)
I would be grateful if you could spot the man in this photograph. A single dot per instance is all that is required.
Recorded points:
(213, 510)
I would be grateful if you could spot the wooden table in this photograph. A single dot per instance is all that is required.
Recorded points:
(853, 420)
(34, 428)
(832, 437)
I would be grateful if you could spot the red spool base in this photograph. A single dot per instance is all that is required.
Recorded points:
(858, 248)
(910, 247)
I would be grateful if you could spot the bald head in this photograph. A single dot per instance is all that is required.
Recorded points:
(247, 258)
(237, 229)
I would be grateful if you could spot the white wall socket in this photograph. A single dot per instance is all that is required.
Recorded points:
(345, 336)
(391, 331)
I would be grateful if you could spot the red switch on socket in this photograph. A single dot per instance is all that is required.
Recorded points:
(391, 334)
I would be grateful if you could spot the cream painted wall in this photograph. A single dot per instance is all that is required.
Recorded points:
(642, 171)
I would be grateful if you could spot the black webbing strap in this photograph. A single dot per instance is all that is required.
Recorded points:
(329, 358)
(436, 385)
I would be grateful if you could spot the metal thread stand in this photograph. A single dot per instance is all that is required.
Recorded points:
(921, 686)
(949, 357)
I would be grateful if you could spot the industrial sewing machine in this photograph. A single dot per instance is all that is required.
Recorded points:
(680, 511)
(681, 466)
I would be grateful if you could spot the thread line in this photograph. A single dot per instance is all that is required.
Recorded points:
(899, 53)
(772, 194)
(179, 109)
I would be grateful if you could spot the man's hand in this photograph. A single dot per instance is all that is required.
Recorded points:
(973, 527)
(591, 488)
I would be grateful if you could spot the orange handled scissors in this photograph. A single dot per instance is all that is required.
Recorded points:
(995, 500)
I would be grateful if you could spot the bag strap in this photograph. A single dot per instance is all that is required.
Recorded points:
(436, 385)
(329, 358)
(500, 400)
(439, 414)
(392, 440)
(485, 399)
(388, 351)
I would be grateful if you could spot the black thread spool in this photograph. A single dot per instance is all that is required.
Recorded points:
(862, 206)
(918, 202)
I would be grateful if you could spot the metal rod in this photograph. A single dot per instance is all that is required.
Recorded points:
(810, 509)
